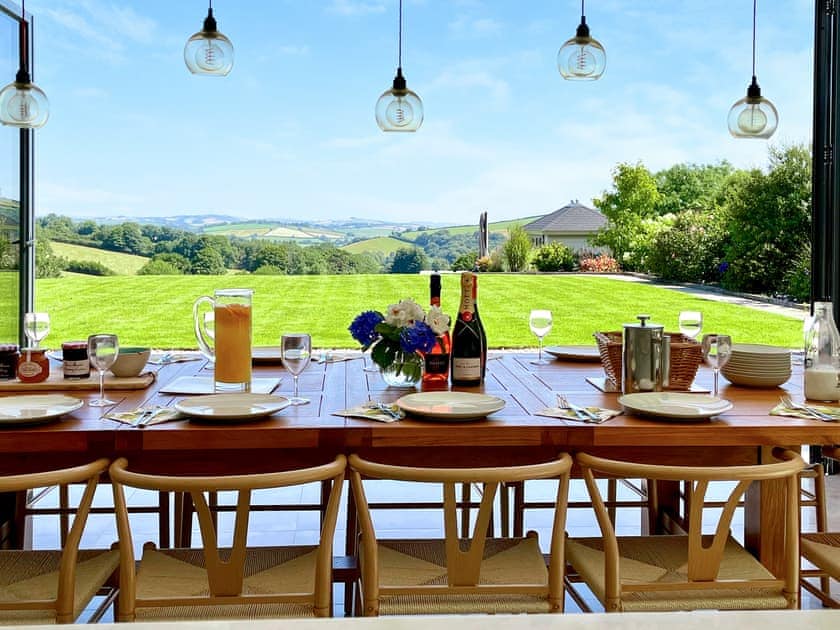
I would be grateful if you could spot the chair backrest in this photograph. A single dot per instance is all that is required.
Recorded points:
(704, 557)
(87, 474)
(463, 562)
(225, 576)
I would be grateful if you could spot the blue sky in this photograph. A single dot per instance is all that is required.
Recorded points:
(290, 133)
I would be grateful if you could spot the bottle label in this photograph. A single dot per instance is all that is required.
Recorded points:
(468, 295)
(437, 363)
(466, 369)
(76, 369)
(28, 369)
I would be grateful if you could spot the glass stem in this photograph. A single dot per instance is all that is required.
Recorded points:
(716, 381)
(295, 378)
(539, 354)
(101, 384)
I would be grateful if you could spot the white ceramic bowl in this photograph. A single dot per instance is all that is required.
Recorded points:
(130, 361)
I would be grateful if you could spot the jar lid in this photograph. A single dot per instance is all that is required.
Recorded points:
(74, 345)
(8, 347)
(33, 351)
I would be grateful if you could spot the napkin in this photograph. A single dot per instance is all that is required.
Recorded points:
(169, 357)
(373, 410)
(158, 415)
(568, 414)
(335, 357)
(204, 385)
(782, 410)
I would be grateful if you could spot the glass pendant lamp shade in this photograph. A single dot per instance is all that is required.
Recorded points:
(208, 52)
(399, 109)
(753, 116)
(22, 103)
(582, 58)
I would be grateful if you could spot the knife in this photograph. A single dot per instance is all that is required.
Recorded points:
(583, 411)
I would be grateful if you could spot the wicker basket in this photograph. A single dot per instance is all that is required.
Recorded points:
(686, 356)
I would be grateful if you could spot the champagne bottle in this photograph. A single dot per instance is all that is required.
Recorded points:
(436, 374)
(469, 343)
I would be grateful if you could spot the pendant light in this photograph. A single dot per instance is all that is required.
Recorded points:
(582, 58)
(753, 116)
(22, 103)
(399, 109)
(208, 52)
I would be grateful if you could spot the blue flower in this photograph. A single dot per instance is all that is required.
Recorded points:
(723, 267)
(363, 328)
(417, 337)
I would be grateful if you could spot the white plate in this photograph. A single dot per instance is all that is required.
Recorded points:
(36, 409)
(450, 405)
(574, 353)
(674, 405)
(231, 406)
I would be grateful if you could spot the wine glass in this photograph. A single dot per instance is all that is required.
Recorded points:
(36, 326)
(540, 322)
(103, 351)
(716, 352)
(295, 351)
(691, 323)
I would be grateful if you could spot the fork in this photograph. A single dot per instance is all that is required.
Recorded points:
(787, 401)
(584, 415)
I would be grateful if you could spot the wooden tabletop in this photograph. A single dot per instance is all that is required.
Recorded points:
(310, 433)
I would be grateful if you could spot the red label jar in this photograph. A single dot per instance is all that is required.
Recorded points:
(74, 359)
(33, 365)
(8, 361)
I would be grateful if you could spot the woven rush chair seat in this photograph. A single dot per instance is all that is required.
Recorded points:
(665, 560)
(693, 571)
(456, 574)
(55, 586)
(238, 581)
(822, 549)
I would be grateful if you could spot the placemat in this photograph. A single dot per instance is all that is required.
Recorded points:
(56, 381)
(204, 385)
(605, 385)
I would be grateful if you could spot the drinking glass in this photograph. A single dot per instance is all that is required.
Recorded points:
(691, 323)
(716, 352)
(540, 322)
(103, 351)
(36, 326)
(295, 351)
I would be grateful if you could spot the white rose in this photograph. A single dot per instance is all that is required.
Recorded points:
(397, 315)
(437, 320)
(413, 310)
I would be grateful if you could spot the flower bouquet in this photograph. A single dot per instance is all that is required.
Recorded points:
(397, 338)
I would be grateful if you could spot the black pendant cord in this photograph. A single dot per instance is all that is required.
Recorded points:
(399, 45)
(582, 11)
(24, 57)
(755, 2)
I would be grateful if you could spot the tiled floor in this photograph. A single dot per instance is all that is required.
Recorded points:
(302, 528)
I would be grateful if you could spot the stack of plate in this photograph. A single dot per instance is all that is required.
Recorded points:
(756, 365)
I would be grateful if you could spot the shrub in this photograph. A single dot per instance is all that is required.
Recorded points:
(517, 249)
(465, 262)
(798, 277)
(554, 257)
(689, 250)
(156, 267)
(602, 263)
(89, 267)
(269, 270)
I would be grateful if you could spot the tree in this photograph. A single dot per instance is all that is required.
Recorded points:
(517, 248)
(208, 262)
(158, 267)
(769, 222)
(47, 264)
(691, 186)
(409, 260)
(631, 212)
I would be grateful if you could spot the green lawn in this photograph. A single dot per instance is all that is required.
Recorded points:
(158, 310)
(383, 244)
(120, 263)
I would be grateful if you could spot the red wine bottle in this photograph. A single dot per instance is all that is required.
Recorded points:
(469, 343)
(436, 374)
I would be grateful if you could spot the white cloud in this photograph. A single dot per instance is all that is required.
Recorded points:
(464, 26)
(356, 7)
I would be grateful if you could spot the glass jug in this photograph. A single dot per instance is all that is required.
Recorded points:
(228, 344)
(822, 355)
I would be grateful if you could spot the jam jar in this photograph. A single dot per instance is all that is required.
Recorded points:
(75, 362)
(8, 361)
(33, 365)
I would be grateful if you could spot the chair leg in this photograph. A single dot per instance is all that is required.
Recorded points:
(163, 519)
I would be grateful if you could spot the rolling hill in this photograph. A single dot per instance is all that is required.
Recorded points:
(121, 264)
(381, 245)
(498, 226)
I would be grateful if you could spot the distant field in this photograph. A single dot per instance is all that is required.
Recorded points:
(384, 245)
(274, 231)
(121, 264)
(158, 310)
(499, 226)
(370, 232)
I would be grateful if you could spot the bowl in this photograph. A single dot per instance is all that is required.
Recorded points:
(130, 361)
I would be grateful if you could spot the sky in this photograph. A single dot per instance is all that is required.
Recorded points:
(291, 134)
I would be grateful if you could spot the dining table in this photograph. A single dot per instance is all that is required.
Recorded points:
(313, 433)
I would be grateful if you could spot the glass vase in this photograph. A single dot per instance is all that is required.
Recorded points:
(405, 371)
